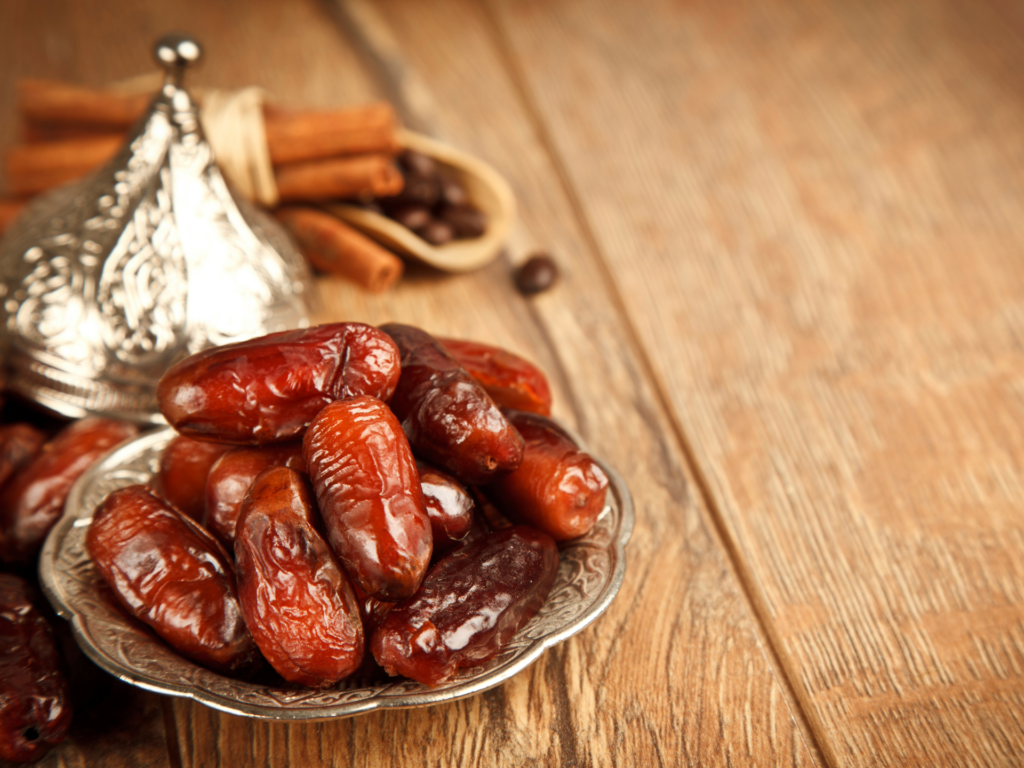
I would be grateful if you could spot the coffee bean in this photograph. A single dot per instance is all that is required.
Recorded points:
(411, 215)
(538, 274)
(466, 220)
(417, 163)
(452, 190)
(436, 232)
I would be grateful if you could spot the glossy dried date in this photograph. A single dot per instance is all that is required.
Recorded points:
(511, 381)
(449, 506)
(230, 477)
(184, 466)
(470, 605)
(448, 417)
(369, 494)
(174, 576)
(297, 603)
(34, 499)
(267, 390)
(35, 703)
(19, 444)
(558, 488)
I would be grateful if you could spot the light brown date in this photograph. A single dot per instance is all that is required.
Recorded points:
(369, 494)
(558, 488)
(174, 576)
(34, 499)
(230, 477)
(511, 381)
(448, 417)
(297, 603)
(267, 390)
(184, 466)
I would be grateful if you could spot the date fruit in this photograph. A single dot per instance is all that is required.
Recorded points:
(230, 477)
(184, 466)
(470, 605)
(511, 381)
(369, 494)
(449, 506)
(34, 499)
(268, 390)
(558, 488)
(35, 703)
(297, 603)
(19, 444)
(448, 417)
(174, 576)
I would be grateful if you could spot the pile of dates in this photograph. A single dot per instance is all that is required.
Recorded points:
(40, 459)
(345, 499)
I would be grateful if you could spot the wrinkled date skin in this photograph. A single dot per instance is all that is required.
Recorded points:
(174, 576)
(449, 506)
(448, 417)
(470, 605)
(297, 603)
(19, 444)
(35, 703)
(558, 488)
(184, 466)
(369, 494)
(230, 477)
(34, 498)
(511, 381)
(267, 390)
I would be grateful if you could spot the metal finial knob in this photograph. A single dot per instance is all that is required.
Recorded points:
(175, 52)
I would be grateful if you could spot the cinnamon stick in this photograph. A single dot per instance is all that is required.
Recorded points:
(332, 246)
(34, 168)
(52, 109)
(342, 177)
(294, 136)
(51, 101)
(9, 211)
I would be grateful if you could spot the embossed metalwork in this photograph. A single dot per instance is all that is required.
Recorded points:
(589, 576)
(107, 282)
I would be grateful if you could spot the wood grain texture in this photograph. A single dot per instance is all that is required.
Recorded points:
(819, 203)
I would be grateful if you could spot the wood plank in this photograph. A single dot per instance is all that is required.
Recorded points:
(819, 205)
(674, 673)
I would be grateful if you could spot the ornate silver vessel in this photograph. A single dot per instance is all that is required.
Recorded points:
(107, 282)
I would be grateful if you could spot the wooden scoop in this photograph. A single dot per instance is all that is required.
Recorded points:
(487, 190)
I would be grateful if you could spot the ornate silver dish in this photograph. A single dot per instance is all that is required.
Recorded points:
(590, 574)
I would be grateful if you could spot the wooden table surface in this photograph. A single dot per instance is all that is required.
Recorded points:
(791, 314)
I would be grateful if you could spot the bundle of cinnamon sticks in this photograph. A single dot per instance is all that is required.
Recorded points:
(317, 156)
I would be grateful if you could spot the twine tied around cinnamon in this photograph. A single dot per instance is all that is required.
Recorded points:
(233, 123)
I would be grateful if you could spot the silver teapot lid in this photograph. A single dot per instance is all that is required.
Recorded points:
(107, 282)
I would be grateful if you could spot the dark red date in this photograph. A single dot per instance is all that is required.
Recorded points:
(511, 381)
(34, 498)
(369, 493)
(448, 417)
(230, 477)
(35, 703)
(558, 488)
(449, 506)
(297, 603)
(19, 444)
(184, 466)
(267, 390)
(470, 605)
(174, 576)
